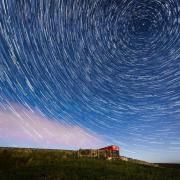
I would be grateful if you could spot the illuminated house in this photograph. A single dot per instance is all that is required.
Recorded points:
(106, 152)
(110, 151)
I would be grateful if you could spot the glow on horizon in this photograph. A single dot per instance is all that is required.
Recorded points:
(20, 127)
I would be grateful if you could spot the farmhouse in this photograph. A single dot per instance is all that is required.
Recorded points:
(108, 152)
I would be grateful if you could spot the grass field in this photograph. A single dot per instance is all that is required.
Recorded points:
(65, 165)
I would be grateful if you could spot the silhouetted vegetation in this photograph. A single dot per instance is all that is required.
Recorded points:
(65, 165)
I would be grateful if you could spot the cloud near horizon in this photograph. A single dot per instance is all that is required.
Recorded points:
(23, 127)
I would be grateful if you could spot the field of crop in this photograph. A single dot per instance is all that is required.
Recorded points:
(65, 165)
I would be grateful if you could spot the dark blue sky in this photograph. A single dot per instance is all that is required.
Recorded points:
(109, 66)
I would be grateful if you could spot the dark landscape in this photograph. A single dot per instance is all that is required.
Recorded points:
(21, 163)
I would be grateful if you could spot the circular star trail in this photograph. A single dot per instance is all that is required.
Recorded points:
(112, 66)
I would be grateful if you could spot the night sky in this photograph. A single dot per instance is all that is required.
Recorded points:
(91, 73)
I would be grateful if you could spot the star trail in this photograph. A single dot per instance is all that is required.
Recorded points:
(102, 71)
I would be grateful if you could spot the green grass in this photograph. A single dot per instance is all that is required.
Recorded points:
(65, 165)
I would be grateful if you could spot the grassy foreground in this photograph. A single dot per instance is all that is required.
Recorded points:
(65, 165)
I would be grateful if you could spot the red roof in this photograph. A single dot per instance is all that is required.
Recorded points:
(112, 148)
